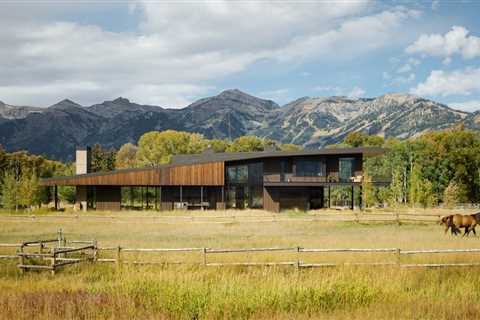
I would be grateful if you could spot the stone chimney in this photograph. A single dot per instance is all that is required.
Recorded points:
(83, 159)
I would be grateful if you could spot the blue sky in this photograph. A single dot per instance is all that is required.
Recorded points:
(171, 53)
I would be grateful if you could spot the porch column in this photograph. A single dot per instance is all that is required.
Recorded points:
(329, 197)
(201, 197)
(146, 195)
(181, 194)
(352, 205)
(55, 197)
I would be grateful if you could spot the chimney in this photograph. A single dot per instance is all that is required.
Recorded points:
(83, 159)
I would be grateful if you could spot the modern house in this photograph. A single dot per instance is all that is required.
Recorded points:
(272, 180)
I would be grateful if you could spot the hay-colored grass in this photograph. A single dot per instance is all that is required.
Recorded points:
(191, 291)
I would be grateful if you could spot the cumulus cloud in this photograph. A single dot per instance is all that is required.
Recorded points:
(178, 50)
(355, 92)
(443, 83)
(455, 41)
(470, 105)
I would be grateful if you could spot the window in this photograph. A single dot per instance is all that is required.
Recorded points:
(237, 174)
(345, 169)
(310, 168)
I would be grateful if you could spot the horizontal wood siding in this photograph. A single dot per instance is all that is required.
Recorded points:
(208, 174)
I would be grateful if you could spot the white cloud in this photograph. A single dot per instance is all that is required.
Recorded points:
(405, 68)
(278, 95)
(178, 49)
(470, 106)
(356, 92)
(455, 41)
(442, 83)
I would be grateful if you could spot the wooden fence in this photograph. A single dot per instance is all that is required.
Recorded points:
(356, 216)
(58, 256)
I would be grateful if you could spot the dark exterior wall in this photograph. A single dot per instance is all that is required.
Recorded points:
(276, 199)
(272, 167)
(108, 198)
(271, 200)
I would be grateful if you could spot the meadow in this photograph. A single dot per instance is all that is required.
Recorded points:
(192, 291)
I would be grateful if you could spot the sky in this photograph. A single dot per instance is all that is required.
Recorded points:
(170, 53)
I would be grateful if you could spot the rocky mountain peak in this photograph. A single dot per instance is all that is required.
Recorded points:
(121, 100)
(65, 104)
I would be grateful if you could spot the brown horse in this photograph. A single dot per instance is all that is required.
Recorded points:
(447, 221)
(457, 221)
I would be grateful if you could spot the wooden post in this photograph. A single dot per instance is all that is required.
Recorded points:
(201, 197)
(156, 198)
(55, 195)
(204, 256)
(352, 205)
(54, 261)
(59, 237)
(329, 197)
(360, 205)
(181, 194)
(21, 260)
(160, 200)
(146, 195)
(118, 256)
(298, 259)
(95, 251)
(131, 198)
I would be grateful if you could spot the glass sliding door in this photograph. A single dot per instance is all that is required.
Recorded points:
(244, 186)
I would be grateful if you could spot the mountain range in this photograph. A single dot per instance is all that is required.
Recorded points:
(312, 122)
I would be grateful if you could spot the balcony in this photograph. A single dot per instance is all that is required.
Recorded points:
(331, 179)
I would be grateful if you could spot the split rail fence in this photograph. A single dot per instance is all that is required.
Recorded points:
(358, 217)
(61, 255)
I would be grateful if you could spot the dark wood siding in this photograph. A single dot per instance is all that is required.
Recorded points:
(271, 199)
(108, 198)
(208, 174)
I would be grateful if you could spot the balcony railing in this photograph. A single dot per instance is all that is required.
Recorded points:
(332, 178)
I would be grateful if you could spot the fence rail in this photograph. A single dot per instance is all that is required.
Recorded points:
(57, 256)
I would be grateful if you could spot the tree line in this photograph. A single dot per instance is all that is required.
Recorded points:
(434, 168)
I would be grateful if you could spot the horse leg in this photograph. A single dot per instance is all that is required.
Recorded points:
(466, 232)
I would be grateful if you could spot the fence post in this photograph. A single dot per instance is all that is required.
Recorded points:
(21, 260)
(118, 256)
(204, 256)
(298, 258)
(95, 250)
(398, 257)
(59, 237)
(53, 261)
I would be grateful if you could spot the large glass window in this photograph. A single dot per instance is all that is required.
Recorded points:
(245, 186)
(237, 174)
(310, 168)
(345, 169)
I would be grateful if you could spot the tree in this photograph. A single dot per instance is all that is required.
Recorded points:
(454, 193)
(31, 193)
(126, 156)
(218, 145)
(102, 160)
(247, 144)
(155, 148)
(10, 191)
(290, 147)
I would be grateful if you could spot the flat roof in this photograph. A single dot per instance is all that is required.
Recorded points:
(206, 157)
(185, 159)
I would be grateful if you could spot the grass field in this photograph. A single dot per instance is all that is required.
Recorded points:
(192, 291)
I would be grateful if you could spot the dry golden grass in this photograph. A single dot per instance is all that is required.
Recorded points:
(191, 292)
